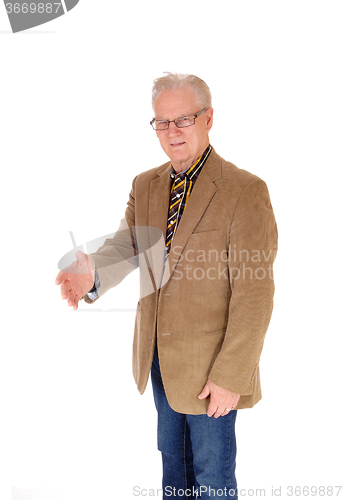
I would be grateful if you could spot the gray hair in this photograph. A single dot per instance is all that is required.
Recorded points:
(177, 80)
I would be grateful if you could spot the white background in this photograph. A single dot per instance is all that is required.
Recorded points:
(75, 111)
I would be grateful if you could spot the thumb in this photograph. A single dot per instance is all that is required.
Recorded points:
(82, 263)
(205, 392)
(80, 256)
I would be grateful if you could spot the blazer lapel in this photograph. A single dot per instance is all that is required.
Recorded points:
(159, 195)
(202, 193)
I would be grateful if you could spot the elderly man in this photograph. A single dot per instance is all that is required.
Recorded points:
(200, 328)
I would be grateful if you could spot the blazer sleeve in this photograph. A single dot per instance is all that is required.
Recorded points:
(117, 257)
(252, 250)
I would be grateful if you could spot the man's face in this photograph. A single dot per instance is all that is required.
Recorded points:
(182, 145)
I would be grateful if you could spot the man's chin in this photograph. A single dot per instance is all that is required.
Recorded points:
(177, 154)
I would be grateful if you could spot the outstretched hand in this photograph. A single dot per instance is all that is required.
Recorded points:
(221, 400)
(77, 279)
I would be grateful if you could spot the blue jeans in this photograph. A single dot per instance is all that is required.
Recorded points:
(198, 452)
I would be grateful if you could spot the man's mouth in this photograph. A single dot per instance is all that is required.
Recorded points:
(176, 144)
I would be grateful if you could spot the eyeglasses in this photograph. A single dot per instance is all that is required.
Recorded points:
(183, 121)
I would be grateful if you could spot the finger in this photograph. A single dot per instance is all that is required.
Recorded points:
(71, 298)
(212, 408)
(219, 413)
(204, 393)
(65, 287)
(76, 303)
(60, 278)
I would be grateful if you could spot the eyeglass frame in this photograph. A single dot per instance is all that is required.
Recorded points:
(174, 121)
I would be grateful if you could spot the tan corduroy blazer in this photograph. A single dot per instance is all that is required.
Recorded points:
(209, 307)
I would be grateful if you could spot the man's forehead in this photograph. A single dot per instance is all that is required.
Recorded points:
(171, 104)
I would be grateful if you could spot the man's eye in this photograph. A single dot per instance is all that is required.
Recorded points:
(184, 120)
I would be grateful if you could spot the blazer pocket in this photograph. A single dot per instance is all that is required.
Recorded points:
(215, 331)
(209, 232)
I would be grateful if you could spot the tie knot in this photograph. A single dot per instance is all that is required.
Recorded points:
(179, 179)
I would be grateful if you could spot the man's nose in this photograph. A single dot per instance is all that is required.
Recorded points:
(173, 129)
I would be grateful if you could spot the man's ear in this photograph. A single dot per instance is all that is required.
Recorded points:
(209, 118)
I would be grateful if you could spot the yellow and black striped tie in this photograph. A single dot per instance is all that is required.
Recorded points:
(182, 185)
(176, 200)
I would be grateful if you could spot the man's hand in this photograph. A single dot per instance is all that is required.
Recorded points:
(77, 279)
(221, 400)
